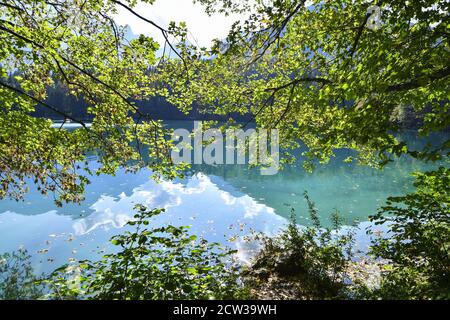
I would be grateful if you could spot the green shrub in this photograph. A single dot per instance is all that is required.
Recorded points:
(308, 262)
(157, 263)
(418, 241)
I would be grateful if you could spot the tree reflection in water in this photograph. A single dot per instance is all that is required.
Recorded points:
(17, 278)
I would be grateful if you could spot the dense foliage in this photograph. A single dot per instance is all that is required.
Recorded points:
(329, 75)
(78, 44)
(418, 240)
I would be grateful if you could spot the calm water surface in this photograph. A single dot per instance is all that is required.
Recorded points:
(217, 202)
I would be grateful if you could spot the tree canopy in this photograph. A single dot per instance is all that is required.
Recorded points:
(331, 74)
(327, 74)
(76, 43)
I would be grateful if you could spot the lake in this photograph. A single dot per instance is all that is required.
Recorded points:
(218, 202)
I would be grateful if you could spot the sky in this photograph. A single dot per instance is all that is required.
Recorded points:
(203, 28)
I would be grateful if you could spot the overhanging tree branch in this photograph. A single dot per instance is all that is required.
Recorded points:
(288, 107)
(276, 32)
(79, 69)
(360, 31)
(11, 6)
(40, 102)
(297, 81)
(420, 81)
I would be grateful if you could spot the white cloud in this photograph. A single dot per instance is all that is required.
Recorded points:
(202, 27)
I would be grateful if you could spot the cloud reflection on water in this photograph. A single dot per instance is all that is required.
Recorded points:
(211, 212)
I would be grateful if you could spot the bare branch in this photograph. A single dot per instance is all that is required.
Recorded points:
(164, 32)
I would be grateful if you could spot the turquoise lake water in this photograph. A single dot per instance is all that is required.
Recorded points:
(217, 202)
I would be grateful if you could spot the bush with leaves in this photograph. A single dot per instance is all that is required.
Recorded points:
(305, 263)
(155, 263)
(17, 280)
(418, 240)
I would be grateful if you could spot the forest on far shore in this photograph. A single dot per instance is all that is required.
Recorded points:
(159, 108)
